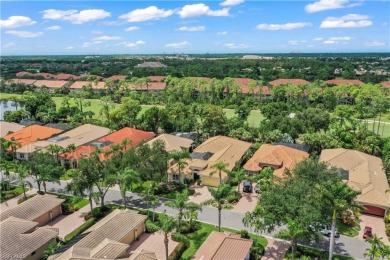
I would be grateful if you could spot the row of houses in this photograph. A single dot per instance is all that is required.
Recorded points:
(26, 231)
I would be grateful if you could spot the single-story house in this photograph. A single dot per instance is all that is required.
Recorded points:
(24, 239)
(7, 128)
(77, 136)
(337, 82)
(173, 142)
(31, 134)
(364, 174)
(134, 136)
(221, 246)
(279, 157)
(78, 86)
(40, 209)
(385, 84)
(51, 84)
(296, 82)
(215, 149)
(109, 238)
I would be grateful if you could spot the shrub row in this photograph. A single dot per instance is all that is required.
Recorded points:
(87, 224)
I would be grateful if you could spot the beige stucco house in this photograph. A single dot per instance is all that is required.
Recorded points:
(173, 143)
(213, 150)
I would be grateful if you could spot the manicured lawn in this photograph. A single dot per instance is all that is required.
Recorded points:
(384, 129)
(351, 231)
(13, 192)
(197, 238)
(254, 118)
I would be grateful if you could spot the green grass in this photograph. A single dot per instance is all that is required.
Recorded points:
(12, 193)
(254, 118)
(197, 238)
(384, 129)
(351, 231)
(8, 96)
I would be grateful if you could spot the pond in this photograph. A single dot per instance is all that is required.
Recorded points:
(8, 105)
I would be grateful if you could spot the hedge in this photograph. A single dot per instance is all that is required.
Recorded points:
(87, 224)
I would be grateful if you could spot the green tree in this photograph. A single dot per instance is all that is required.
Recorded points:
(180, 158)
(51, 248)
(219, 199)
(377, 248)
(293, 232)
(239, 175)
(22, 171)
(166, 225)
(126, 179)
(219, 167)
(55, 151)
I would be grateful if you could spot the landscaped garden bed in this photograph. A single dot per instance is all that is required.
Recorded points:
(11, 192)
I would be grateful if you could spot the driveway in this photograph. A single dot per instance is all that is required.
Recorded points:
(247, 202)
(201, 194)
(377, 224)
(153, 242)
(275, 249)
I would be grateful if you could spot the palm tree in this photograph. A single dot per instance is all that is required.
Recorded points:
(180, 158)
(220, 197)
(180, 203)
(13, 145)
(293, 232)
(51, 248)
(219, 167)
(166, 225)
(22, 172)
(125, 181)
(339, 198)
(55, 150)
(71, 148)
(376, 249)
(239, 175)
(6, 167)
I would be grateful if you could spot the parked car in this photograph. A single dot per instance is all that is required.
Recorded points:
(247, 186)
(367, 233)
(327, 231)
(257, 188)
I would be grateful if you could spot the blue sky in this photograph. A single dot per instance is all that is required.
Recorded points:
(231, 26)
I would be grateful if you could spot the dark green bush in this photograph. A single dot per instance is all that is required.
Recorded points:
(191, 191)
(387, 217)
(87, 224)
(236, 196)
(387, 229)
(233, 182)
(4, 185)
(151, 227)
(244, 233)
(180, 238)
(165, 188)
(97, 212)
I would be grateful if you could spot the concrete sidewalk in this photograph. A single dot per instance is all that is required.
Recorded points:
(12, 203)
(275, 249)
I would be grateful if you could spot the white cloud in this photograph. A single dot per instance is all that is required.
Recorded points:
(287, 26)
(329, 42)
(8, 45)
(192, 28)
(344, 38)
(53, 28)
(69, 48)
(134, 44)
(317, 39)
(222, 33)
(16, 21)
(293, 42)
(323, 5)
(236, 46)
(200, 10)
(346, 21)
(25, 34)
(149, 13)
(131, 28)
(375, 44)
(231, 2)
(107, 38)
(74, 16)
(178, 44)
(96, 32)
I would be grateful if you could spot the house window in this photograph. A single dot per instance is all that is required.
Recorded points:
(21, 155)
(176, 177)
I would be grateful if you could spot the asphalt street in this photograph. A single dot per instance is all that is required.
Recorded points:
(347, 246)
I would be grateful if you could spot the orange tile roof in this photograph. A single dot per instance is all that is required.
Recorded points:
(81, 84)
(66, 76)
(117, 77)
(157, 78)
(33, 133)
(344, 82)
(51, 83)
(245, 89)
(279, 157)
(385, 84)
(134, 135)
(288, 81)
(24, 81)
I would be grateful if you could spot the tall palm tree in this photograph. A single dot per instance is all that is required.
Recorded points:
(166, 225)
(239, 175)
(293, 232)
(180, 203)
(5, 167)
(339, 197)
(180, 157)
(219, 199)
(125, 181)
(375, 251)
(13, 145)
(55, 151)
(22, 173)
(219, 167)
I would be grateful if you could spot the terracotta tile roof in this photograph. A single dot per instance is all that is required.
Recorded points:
(7, 128)
(222, 246)
(33, 207)
(50, 83)
(157, 78)
(66, 76)
(366, 175)
(142, 255)
(134, 135)
(277, 156)
(223, 149)
(105, 239)
(81, 84)
(344, 82)
(385, 84)
(117, 77)
(289, 81)
(19, 237)
(24, 81)
(77, 136)
(245, 89)
(23, 73)
(172, 142)
(32, 134)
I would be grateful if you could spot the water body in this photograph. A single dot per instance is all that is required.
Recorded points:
(8, 105)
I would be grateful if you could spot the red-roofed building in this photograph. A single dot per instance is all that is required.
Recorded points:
(336, 82)
(297, 82)
(117, 77)
(78, 85)
(134, 136)
(65, 76)
(51, 84)
(157, 78)
(244, 88)
(385, 84)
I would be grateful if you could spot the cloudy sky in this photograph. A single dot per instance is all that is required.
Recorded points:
(231, 26)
